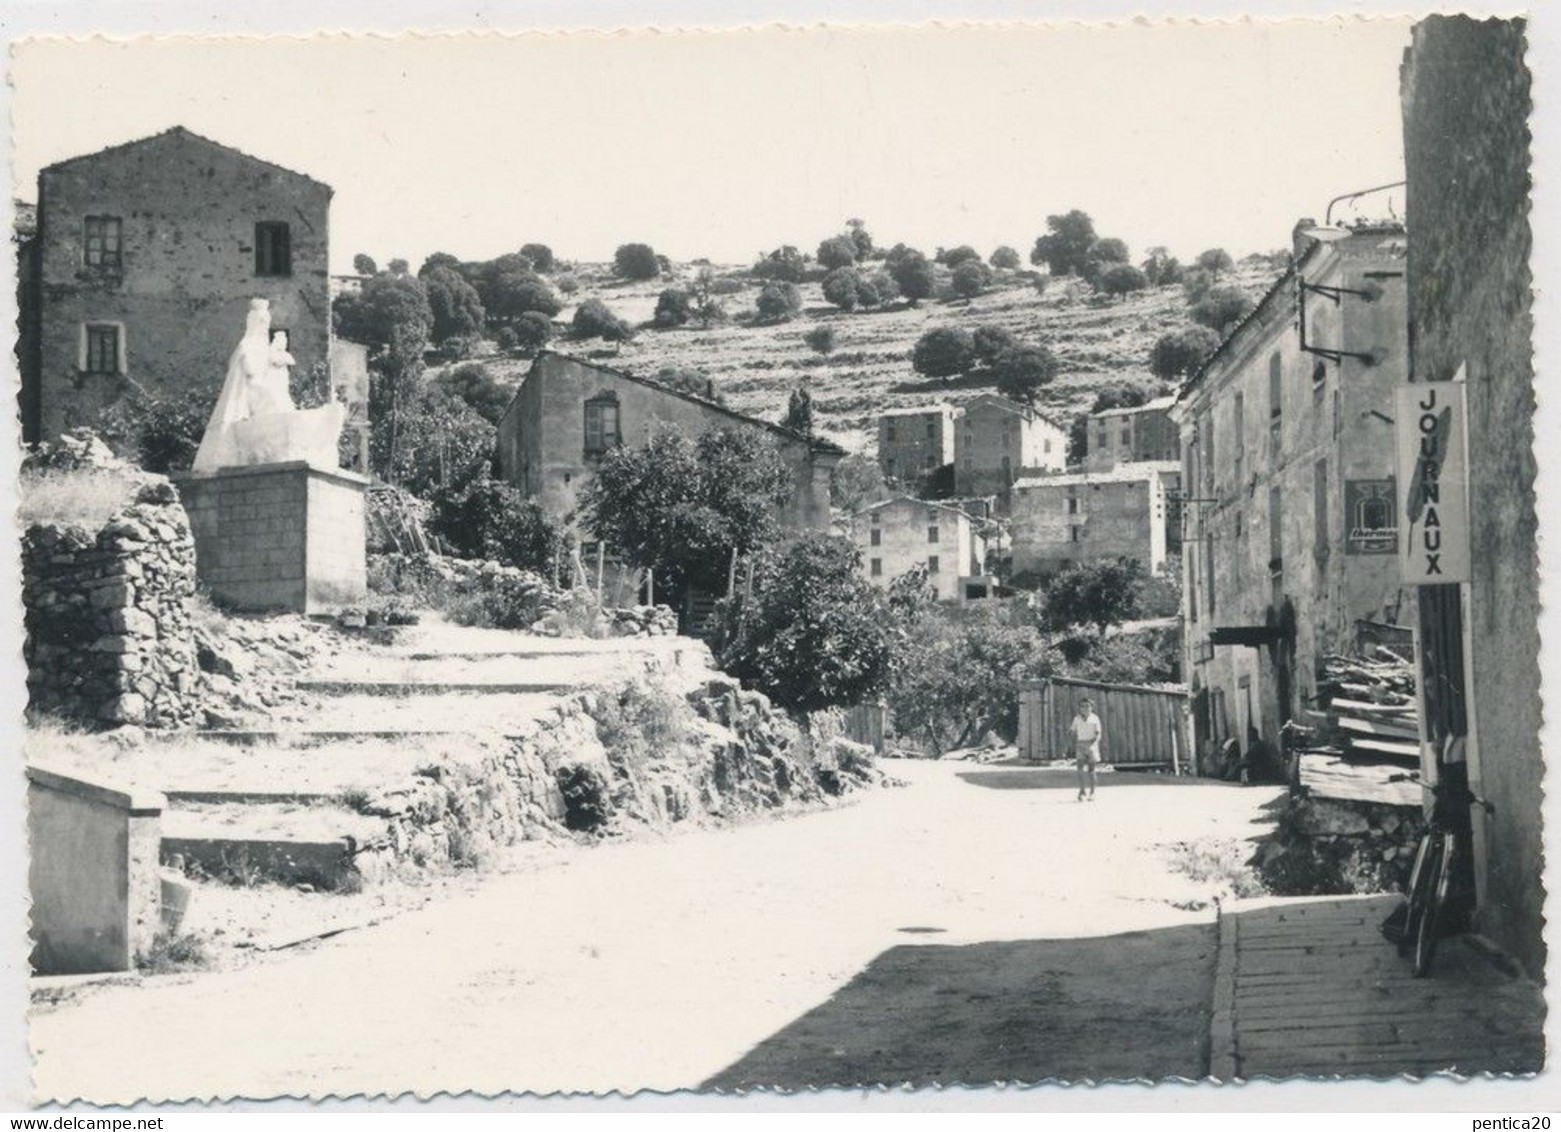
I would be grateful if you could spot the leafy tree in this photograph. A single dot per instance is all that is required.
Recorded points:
(813, 634)
(821, 339)
(1180, 353)
(991, 341)
(399, 267)
(953, 257)
(837, 251)
(594, 319)
(1142, 658)
(674, 307)
(1100, 593)
(364, 264)
(681, 507)
(1161, 268)
(884, 288)
(861, 239)
(455, 305)
(508, 341)
(1222, 307)
(856, 481)
(799, 411)
(1196, 283)
(438, 260)
(847, 289)
(913, 275)
(532, 331)
(1022, 371)
(540, 255)
(440, 442)
(944, 351)
(390, 316)
(1121, 279)
(511, 294)
(706, 302)
(1005, 258)
(971, 277)
(494, 521)
(1065, 248)
(475, 384)
(1215, 261)
(779, 302)
(783, 265)
(636, 261)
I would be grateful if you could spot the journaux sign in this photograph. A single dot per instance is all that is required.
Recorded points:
(1433, 528)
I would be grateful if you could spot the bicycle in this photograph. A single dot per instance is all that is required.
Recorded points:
(1418, 924)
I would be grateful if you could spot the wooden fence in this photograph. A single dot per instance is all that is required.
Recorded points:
(1140, 726)
(866, 723)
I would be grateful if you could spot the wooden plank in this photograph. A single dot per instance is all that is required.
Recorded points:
(1407, 751)
(1379, 728)
(1371, 707)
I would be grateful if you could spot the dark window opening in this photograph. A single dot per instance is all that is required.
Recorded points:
(103, 242)
(273, 248)
(103, 348)
(602, 433)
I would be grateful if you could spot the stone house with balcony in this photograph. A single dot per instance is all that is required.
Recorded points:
(1288, 467)
(998, 441)
(900, 534)
(914, 442)
(142, 266)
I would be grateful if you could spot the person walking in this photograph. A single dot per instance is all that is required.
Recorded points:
(1086, 746)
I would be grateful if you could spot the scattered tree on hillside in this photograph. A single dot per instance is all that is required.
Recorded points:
(912, 274)
(1023, 371)
(1196, 282)
(846, 288)
(439, 442)
(1102, 255)
(1161, 268)
(531, 331)
(390, 316)
(457, 308)
(540, 255)
(861, 239)
(779, 302)
(812, 633)
(1005, 258)
(509, 294)
(855, 482)
(821, 339)
(1101, 593)
(689, 381)
(1065, 248)
(953, 257)
(494, 521)
(706, 303)
(595, 319)
(837, 251)
(971, 277)
(1222, 307)
(674, 307)
(636, 261)
(475, 384)
(799, 411)
(783, 265)
(991, 341)
(399, 267)
(364, 264)
(1215, 261)
(1180, 353)
(1121, 279)
(944, 351)
(438, 260)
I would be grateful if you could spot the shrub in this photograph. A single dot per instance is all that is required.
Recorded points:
(509, 295)
(476, 385)
(494, 521)
(861, 238)
(673, 308)
(847, 289)
(1196, 282)
(594, 319)
(821, 339)
(691, 381)
(567, 284)
(1005, 258)
(1222, 307)
(912, 274)
(636, 261)
(1065, 247)
(640, 722)
(944, 351)
(1215, 260)
(1161, 268)
(837, 251)
(532, 331)
(779, 302)
(457, 308)
(499, 600)
(1022, 371)
(587, 801)
(953, 257)
(1122, 279)
(971, 278)
(540, 255)
(364, 264)
(783, 265)
(991, 341)
(1181, 353)
(1099, 593)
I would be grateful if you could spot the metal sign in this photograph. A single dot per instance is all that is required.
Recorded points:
(1433, 529)
(1370, 517)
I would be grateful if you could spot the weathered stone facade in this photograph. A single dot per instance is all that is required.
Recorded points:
(997, 441)
(144, 262)
(898, 535)
(1090, 517)
(1132, 436)
(107, 613)
(914, 443)
(1466, 138)
(1288, 457)
(568, 412)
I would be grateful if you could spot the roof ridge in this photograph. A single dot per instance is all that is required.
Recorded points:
(187, 132)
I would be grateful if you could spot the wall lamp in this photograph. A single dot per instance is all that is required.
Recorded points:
(1327, 232)
(1330, 233)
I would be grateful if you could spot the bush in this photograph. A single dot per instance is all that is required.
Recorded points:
(912, 274)
(532, 331)
(594, 319)
(1122, 279)
(495, 522)
(1005, 258)
(1222, 307)
(991, 341)
(1161, 268)
(499, 600)
(1181, 353)
(1215, 260)
(971, 278)
(837, 251)
(1022, 371)
(587, 800)
(846, 289)
(474, 384)
(509, 295)
(457, 308)
(540, 255)
(636, 261)
(1196, 282)
(567, 284)
(779, 302)
(944, 352)
(673, 308)
(783, 265)
(1065, 248)
(953, 257)
(821, 339)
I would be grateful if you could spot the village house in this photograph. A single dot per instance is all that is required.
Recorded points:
(1059, 520)
(1466, 104)
(915, 442)
(1287, 443)
(998, 440)
(1132, 435)
(900, 534)
(144, 262)
(568, 413)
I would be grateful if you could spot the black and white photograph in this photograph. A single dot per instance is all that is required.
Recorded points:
(747, 561)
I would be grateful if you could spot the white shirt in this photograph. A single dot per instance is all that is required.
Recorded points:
(1086, 730)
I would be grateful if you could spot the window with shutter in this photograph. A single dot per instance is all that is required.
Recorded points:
(273, 248)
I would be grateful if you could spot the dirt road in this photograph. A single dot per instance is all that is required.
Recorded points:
(971, 926)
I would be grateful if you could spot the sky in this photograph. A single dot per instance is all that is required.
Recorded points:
(722, 144)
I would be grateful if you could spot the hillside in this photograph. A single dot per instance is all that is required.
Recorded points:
(1098, 341)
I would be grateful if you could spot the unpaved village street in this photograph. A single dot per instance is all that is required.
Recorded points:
(970, 926)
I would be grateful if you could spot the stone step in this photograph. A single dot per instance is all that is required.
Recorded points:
(281, 842)
(483, 712)
(335, 687)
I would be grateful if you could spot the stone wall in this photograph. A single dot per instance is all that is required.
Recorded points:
(107, 614)
(1332, 847)
(1466, 142)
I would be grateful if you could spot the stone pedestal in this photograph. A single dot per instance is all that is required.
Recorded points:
(286, 536)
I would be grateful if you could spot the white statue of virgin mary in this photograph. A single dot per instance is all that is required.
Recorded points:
(255, 421)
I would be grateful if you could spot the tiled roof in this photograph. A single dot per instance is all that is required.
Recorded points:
(181, 131)
(1122, 473)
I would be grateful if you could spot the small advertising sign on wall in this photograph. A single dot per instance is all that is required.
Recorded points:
(1433, 482)
(1370, 517)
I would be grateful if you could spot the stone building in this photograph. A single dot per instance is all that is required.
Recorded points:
(897, 535)
(1288, 466)
(1132, 436)
(913, 443)
(1466, 142)
(1058, 520)
(997, 441)
(568, 413)
(144, 261)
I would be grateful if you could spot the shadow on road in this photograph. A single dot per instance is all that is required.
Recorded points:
(1060, 778)
(1119, 1007)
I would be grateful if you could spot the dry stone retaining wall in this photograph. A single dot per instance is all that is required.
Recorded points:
(1333, 847)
